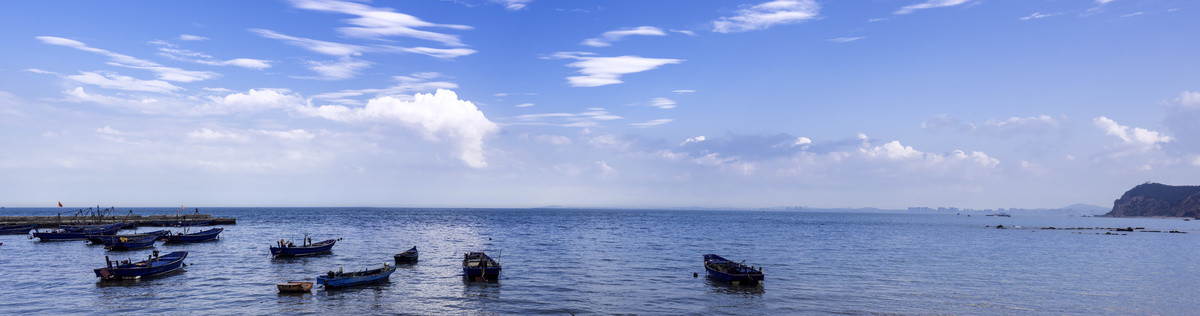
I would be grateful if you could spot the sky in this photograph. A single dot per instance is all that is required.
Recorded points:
(531, 103)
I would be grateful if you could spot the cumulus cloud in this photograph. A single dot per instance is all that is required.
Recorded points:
(696, 139)
(607, 38)
(163, 72)
(929, 4)
(375, 22)
(253, 100)
(768, 14)
(1135, 136)
(440, 116)
(602, 71)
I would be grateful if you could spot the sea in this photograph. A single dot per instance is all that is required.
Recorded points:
(615, 261)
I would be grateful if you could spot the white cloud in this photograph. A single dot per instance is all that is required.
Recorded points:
(601, 71)
(119, 82)
(294, 135)
(170, 51)
(374, 22)
(439, 116)
(322, 47)
(1037, 125)
(684, 32)
(1135, 136)
(1133, 14)
(605, 170)
(588, 118)
(205, 134)
(556, 140)
(607, 38)
(1038, 15)
(696, 139)
(108, 130)
(652, 123)
(846, 39)
(768, 14)
(419, 82)
(163, 72)
(802, 142)
(253, 100)
(514, 5)
(682, 91)
(187, 37)
(344, 68)
(443, 53)
(663, 103)
(929, 4)
(1189, 99)
(524, 105)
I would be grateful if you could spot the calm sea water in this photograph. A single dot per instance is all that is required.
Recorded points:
(635, 262)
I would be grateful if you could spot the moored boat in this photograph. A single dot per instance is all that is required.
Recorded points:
(307, 248)
(200, 236)
(130, 243)
(78, 228)
(76, 234)
(104, 239)
(408, 256)
(294, 287)
(340, 279)
(479, 265)
(16, 229)
(152, 266)
(724, 270)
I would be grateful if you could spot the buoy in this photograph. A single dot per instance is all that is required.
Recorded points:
(695, 274)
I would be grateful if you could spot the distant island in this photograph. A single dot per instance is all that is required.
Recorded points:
(1158, 200)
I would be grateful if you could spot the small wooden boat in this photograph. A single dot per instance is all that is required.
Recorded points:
(104, 239)
(340, 279)
(287, 249)
(200, 236)
(130, 243)
(16, 229)
(724, 270)
(408, 256)
(479, 265)
(294, 287)
(152, 266)
(60, 235)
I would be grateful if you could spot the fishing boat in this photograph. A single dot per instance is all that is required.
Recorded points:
(340, 279)
(200, 236)
(16, 229)
(76, 234)
(152, 266)
(287, 249)
(130, 243)
(408, 256)
(479, 265)
(104, 239)
(294, 287)
(724, 270)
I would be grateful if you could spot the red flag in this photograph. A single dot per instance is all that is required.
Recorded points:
(60, 204)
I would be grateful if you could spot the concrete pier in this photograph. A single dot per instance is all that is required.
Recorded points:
(140, 220)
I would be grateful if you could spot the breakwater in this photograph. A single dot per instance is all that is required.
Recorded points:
(139, 220)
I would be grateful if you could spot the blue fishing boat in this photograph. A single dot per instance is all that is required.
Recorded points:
(152, 266)
(16, 229)
(408, 256)
(722, 269)
(79, 228)
(104, 239)
(307, 248)
(340, 279)
(60, 235)
(479, 265)
(200, 236)
(130, 243)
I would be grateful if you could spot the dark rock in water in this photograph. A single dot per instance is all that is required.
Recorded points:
(1126, 229)
(1000, 226)
(1156, 199)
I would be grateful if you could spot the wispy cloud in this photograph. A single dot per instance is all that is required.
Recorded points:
(683, 91)
(419, 82)
(607, 38)
(601, 71)
(652, 123)
(374, 22)
(768, 14)
(846, 39)
(114, 81)
(187, 37)
(163, 72)
(684, 32)
(663, 103)
(342, 49)
(514, 5)
(588, 118)
(929, 4)
(524, 105)
(341, 69)
(173, 52)
(1038, 15)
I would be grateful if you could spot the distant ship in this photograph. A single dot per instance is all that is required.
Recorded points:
(1001, 214)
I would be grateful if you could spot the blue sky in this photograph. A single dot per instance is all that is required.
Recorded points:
(525, 103)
